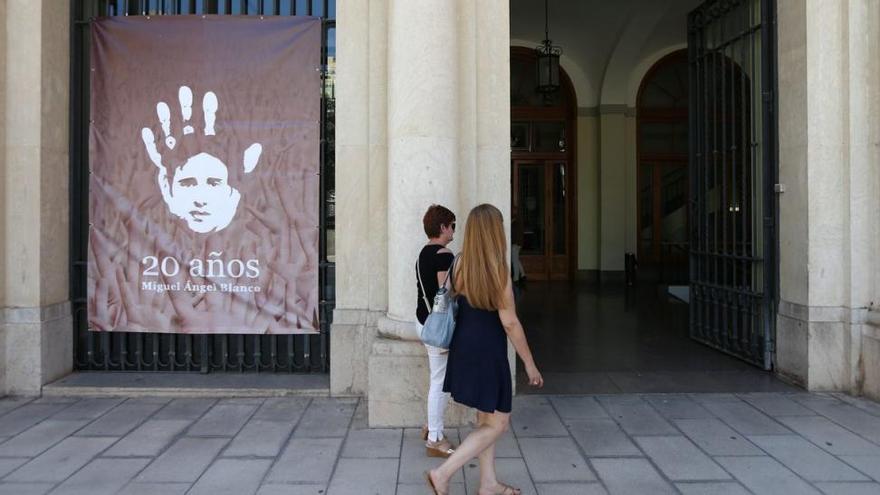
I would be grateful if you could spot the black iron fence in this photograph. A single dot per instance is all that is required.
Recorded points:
(733, 166)
(121, 351)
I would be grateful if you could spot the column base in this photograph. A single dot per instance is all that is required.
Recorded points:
(37, 346)
(352, 334)
(815, 347)
(398, 390)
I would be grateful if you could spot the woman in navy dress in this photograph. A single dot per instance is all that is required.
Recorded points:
(477, 372)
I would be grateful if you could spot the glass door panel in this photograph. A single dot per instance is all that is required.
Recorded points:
(531, 207)
(560, 215)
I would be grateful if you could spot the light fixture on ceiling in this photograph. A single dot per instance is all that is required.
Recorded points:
(548, 59)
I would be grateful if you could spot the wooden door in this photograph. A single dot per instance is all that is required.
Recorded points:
(541, 211)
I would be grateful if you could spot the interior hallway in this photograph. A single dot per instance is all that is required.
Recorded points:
(591, 340)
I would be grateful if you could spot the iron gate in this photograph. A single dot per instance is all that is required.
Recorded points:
(120, 351)
(733, 168)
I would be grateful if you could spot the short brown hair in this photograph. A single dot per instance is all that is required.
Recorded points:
(436, 216)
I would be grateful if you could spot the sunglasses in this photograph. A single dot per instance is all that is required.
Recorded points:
(452, 225)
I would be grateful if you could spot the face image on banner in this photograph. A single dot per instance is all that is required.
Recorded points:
(204, 162)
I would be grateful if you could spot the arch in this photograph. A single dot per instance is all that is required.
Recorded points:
(662, 163)
(640, 72)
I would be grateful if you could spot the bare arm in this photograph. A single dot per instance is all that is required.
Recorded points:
(517, 336)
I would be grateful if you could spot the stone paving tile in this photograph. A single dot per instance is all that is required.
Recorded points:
(869, 465)
(506, 446)
(291, 489)
(849, 488)
(630, 476)
(414, 462)
(101, 476)
(326, 418)
(184, 461)
(570, 489)
(283, 409)
(9, 464)
(712, 488)
(90, 408)
(830, 436)
(25, 488)
(39, 437)
(259, 438)
(122, 419)
(578, 408)
(62, 460)
(852, 418)
(635, 416)
(364, 477)
(306, 460)
(716, 438)
(373, 443)
(422, 489)
(862, 403)
(9, 403)
(232, 477)
(805, 459)
(764, 475)
(510, 471)
(22, 418)
(186, 408)
(222, 420)
(776, 404)
(155, 489)
(680, 460)
(555, 459)
(602, 437)
(746, 419)
(534, 417)
(677, 407)
(148, 439)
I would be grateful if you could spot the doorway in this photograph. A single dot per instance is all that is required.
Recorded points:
(541, 207)
(543, 192)
(684, 177)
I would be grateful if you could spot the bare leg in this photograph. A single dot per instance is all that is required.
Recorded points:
(488, 481)
(491, 427)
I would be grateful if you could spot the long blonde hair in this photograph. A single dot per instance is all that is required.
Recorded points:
(481, 271)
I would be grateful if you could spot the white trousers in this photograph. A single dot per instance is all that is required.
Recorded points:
(437, 399)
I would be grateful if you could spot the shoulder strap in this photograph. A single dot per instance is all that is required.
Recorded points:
(450, 275)
(422, 287)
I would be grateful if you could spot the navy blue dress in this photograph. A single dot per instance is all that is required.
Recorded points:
(477, 372)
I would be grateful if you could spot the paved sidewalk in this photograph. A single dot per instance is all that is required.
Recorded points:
(771, 443)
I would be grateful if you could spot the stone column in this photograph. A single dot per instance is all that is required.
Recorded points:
(422, 135)
(361, 191)
(35, 319)
(828, 225)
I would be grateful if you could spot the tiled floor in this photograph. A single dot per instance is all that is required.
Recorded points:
(764, 443)
(604, 340)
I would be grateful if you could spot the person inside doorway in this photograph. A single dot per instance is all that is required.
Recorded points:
(431, 268)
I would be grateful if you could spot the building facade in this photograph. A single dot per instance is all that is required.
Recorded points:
(426, 103)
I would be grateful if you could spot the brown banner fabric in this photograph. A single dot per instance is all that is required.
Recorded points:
(204, 155)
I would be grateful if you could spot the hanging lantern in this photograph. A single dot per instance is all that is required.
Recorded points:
(548, 59)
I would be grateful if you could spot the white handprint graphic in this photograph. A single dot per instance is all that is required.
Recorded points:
(199, 191)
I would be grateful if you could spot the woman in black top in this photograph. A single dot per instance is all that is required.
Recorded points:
(434, 262)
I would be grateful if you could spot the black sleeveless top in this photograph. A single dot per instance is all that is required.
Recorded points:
(430, 262)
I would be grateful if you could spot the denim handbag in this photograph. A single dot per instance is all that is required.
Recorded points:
(440, 324)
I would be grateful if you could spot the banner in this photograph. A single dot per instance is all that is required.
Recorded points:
(204, 156)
